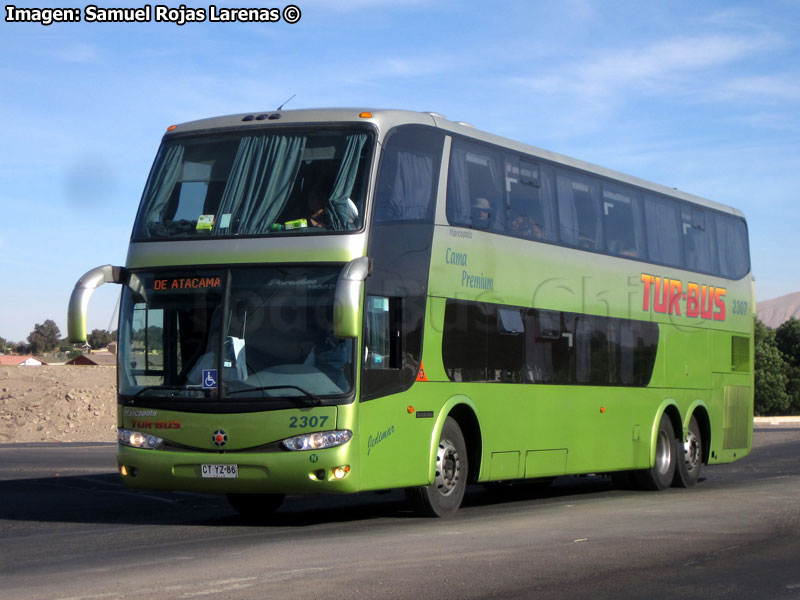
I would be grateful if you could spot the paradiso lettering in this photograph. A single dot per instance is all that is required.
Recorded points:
(668, 296)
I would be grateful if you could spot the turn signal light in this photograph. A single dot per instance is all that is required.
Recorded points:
(365, 115)
(340, 472)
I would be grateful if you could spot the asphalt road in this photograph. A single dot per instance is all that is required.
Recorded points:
(69, 530)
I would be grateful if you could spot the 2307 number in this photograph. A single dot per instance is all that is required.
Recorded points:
(305, 421)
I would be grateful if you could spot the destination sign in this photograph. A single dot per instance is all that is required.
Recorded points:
(187, 283)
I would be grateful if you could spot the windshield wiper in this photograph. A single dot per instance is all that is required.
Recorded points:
(150, 388)
(313, 398)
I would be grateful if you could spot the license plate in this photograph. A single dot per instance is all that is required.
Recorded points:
(219, 471)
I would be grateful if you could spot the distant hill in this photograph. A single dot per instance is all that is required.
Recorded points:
(775, 312)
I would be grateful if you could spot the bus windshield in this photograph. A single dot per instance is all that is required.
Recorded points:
(256, 183)
(233, 334)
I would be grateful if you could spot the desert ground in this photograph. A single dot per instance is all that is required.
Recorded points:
(56, 403)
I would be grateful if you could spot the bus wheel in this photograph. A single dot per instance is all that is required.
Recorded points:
(659, 476)
(687, 471)
(443, 497)
(255, 506)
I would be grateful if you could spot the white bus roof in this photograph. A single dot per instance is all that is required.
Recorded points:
(385, 119)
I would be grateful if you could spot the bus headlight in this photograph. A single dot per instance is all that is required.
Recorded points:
(137, 439)
(318, 440)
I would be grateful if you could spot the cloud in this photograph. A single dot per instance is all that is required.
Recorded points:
(77, 52)
(776, 88)
(685, 70)
(580, 10)
(609, 74)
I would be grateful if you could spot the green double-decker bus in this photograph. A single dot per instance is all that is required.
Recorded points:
(339, 300)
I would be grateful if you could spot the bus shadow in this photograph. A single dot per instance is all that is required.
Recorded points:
(102, 499)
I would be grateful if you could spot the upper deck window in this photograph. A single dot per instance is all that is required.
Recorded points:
(258, 183)
(474, 187)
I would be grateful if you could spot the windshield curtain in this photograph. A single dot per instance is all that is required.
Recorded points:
(269, 183)
(260, 183)
(165, 177)
(229, 335)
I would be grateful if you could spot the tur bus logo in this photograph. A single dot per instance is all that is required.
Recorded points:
(671, 296)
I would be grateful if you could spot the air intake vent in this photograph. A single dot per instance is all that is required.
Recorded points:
(738, 416)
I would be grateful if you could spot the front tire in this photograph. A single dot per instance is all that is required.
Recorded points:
(690, 457)
(443, 497)
(660, 475)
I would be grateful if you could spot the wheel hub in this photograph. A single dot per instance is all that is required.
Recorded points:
(448, 468)
(691, 450)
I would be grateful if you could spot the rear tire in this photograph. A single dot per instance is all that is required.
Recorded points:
(690, 457)
(255, 506)
(660, 475)
(443, 497)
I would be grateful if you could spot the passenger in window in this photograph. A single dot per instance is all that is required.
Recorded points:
(331, 356)
(481, 213)
(525, 226)
(622, 248)
(318, 214)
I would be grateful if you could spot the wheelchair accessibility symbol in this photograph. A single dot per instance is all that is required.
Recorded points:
(209, 379)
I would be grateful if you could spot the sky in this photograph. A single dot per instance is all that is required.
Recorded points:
(699, 96)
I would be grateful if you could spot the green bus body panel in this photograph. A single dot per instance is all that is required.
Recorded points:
(583, 429)
(258, 472)
(342, 249)
(277, 470)
(243, 430)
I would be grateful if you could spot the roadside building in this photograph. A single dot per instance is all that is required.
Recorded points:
(101, 359)
(20, 361)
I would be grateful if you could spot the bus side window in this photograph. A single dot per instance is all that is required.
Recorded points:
(524, 209)
(474, 191)
(506, 344)
(622, 221)
(465, 341)
(383, 342)
(406, 185)
(549, 347)
(732, 246)
(663, 228)
(594, 364)
(698, 240)
(579, 211)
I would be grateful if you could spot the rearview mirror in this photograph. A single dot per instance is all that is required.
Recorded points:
(79, 300)
(348, 296)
